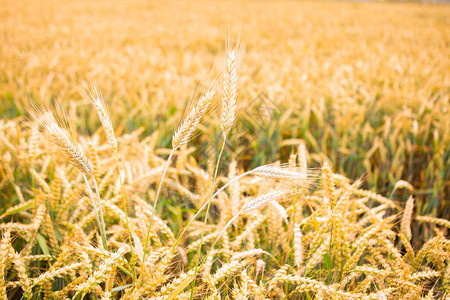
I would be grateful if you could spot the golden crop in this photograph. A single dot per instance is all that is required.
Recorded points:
(336, 119)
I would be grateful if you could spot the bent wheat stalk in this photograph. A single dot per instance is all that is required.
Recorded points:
(53, 132)
(304, 179)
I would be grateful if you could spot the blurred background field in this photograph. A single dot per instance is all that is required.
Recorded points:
(365, 85)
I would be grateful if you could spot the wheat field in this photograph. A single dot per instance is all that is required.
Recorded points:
(224, 150)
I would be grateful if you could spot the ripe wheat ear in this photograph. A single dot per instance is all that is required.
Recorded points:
(230, 96)
(53, 131)
(94, 95)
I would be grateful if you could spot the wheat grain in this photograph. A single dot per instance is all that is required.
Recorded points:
(329, 184)
(230, 97)
(100, 274)
(60, 138)
(248, 254)
(187, 128)
(6, 256)
(44, 277)
(94, 95)
(438, 221)
(423, 275)
(227, 270)
(298, 246)
(269, 171)
(405, 225)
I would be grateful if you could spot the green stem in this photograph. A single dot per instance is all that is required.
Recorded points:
(95, 207)
(331, 245)
(154, 205)
(126, 219)
(33, 182)
(101, 213)
(206, 214)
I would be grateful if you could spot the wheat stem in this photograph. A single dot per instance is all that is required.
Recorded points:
(156, 201)
(207, 212)
(126, 219)
(95, 208)
(101, 213)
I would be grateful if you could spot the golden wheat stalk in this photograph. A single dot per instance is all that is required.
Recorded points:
(60, 137)
(102, 227)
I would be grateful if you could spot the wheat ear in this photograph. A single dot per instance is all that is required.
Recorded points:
(75, 155)
(60, 137)
(405, 225)
(188, 126)
(95, 97)
(230, 97)
(251, 205)
(227, 117)
(438, 221)
(263, 199)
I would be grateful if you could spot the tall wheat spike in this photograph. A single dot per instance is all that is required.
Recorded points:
(230, 96)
